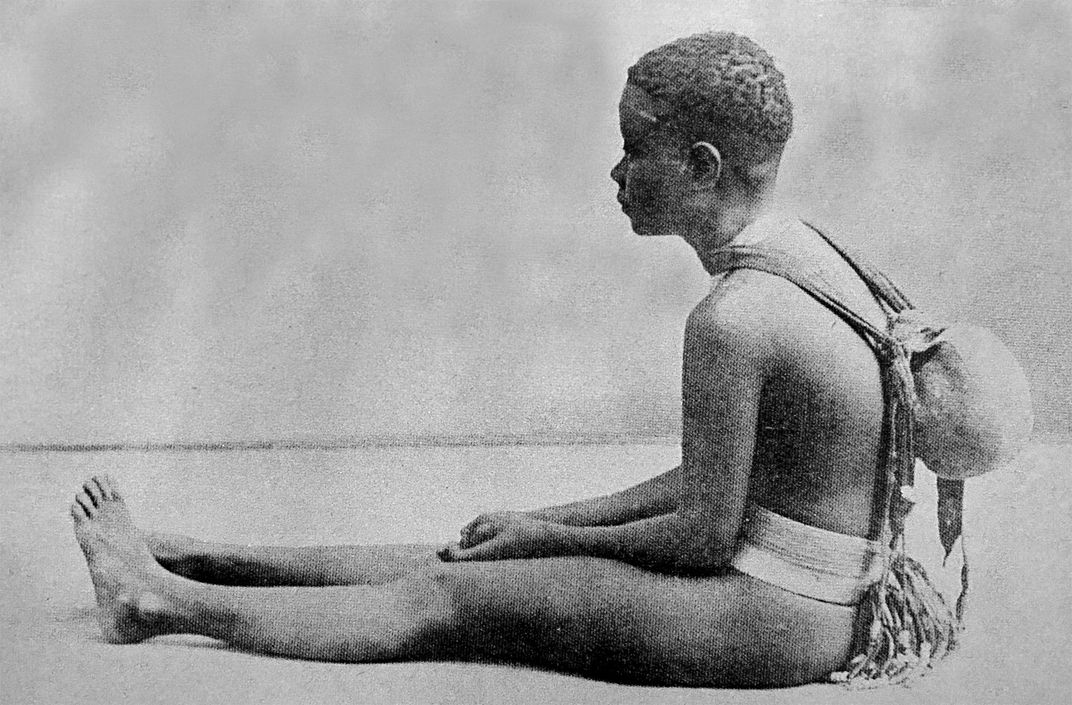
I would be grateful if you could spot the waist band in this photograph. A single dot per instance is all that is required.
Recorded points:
(824, 565)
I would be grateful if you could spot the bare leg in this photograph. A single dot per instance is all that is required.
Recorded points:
(592, 616)
(138, 599)
(296, 566)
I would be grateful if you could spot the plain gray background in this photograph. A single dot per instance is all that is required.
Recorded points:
(251, 221)
(324, 220)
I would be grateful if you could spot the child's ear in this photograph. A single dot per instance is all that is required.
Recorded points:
(706, 161)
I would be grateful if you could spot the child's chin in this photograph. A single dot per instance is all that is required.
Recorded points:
(640, 227)
(647, 230)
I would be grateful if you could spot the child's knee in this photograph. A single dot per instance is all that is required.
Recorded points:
(434, 616)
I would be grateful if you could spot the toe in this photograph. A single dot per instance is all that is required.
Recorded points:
(77, 512)
(105, 489)
(105, 484)
(111, 486)
(91, 488)
(87, 504)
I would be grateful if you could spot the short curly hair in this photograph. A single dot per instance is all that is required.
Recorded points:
(722, 87)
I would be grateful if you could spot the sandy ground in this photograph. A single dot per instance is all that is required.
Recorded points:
(1019, 525)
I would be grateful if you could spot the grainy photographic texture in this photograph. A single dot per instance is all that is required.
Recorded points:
(341, 273)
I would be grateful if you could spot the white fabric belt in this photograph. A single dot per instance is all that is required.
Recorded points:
(824, 565)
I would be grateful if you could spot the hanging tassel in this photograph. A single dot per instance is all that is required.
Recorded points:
(950, 512)
(912, 627)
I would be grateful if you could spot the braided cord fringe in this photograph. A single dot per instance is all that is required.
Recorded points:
(912, 627)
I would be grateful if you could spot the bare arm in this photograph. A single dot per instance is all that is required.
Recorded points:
(723, 376)
(722, 381)
(652, 497)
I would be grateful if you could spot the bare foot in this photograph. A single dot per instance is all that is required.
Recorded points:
(120, 565)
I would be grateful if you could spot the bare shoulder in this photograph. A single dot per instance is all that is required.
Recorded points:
(751, 312)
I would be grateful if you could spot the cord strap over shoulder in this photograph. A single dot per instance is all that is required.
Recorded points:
(912, 626)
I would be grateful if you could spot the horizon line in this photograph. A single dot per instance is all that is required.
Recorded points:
(416, 440)
(371, 441)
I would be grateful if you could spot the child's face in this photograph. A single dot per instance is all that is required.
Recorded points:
(652, 176)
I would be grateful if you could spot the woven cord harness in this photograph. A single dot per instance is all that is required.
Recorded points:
(912, 626)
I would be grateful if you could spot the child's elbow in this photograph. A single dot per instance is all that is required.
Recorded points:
(709, 550)
(708, 559)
